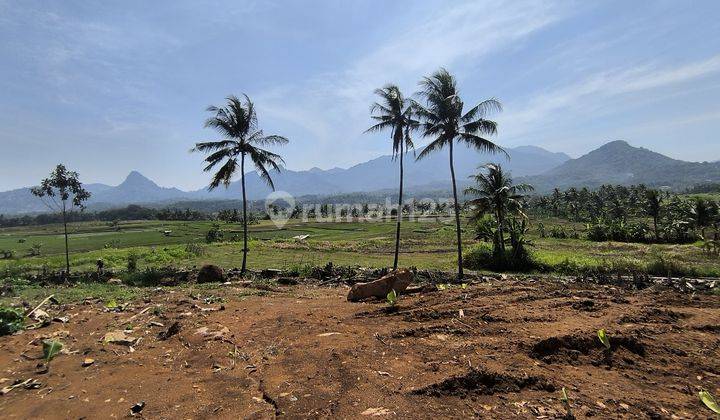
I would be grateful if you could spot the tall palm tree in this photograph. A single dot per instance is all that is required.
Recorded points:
(393, 112)
(653, 207)
(443, 120)
(237, 123)
(496, 194)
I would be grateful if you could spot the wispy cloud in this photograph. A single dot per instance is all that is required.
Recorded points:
(590, 95)
(333, 108)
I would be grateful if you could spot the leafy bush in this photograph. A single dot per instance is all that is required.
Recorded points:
(35, 249)
(478, 257)
(11, 320)
(15, 268)
(600, 230)
(558, 232)
(482, 257)
(147, 277)
(132, 260)
(215, 234)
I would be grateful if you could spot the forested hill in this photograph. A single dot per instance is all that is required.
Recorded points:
(618, 162)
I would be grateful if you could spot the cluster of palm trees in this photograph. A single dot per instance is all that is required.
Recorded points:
(439, 114)
(496, 195)
(436, 112)
(616, 212)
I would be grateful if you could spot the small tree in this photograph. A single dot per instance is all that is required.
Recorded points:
(62, 185)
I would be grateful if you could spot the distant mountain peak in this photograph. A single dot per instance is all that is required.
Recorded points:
(616, 145)
(135, 178)
(618, 162)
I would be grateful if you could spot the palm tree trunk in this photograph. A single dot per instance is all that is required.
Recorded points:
(655, 226)
(457, 215)
(399, 212)
(501, 231)
(67, 249)
(245, 230)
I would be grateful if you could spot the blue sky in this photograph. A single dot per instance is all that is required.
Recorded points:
(108, 87)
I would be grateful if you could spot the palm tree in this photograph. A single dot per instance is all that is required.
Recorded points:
(653, 201)
(443, 120)
(396, 114)
(237, 123)
(496, 194)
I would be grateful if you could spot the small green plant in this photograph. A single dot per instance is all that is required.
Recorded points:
(392, 298)
(11, 320)
(604, 339)
(566, 402)
(35, 249)
(710, 402)
(132, 261)
(51, 348)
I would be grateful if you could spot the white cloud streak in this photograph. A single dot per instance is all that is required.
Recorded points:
(591, 93)
(333, 108)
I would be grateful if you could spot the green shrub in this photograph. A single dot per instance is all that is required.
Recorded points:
(478, 257)
(147, 277)
(15, 269)
(215, 234)
(482, 257)
(132, 260)
(617, 230)
(11, 320)
(35, 249)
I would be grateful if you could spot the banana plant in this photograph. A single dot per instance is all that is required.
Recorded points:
(604, 339)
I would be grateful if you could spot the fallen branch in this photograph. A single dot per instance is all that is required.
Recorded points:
(137, 315)
(41, 304)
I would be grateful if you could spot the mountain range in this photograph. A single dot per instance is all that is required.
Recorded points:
(616, 162)
(432, 173)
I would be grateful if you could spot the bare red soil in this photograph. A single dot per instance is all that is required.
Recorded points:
(499, 350)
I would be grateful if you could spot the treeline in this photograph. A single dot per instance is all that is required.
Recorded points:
(707, 188)
(632, 214)
(131, 212)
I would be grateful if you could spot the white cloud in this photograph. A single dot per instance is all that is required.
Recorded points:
(333, 108)
(590, 95)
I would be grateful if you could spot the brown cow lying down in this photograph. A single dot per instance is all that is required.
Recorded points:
(397, 280)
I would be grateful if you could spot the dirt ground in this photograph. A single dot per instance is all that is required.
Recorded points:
(491, 350)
